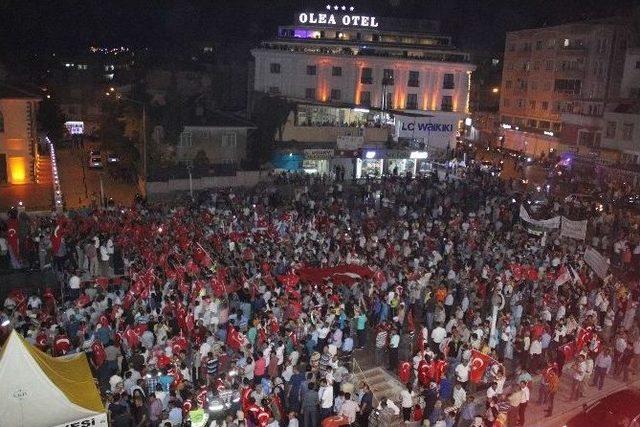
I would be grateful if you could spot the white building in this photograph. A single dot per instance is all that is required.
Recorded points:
(348, 70)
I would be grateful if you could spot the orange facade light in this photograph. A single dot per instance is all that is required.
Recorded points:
(17, 169)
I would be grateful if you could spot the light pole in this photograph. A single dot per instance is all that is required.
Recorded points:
(144, 133)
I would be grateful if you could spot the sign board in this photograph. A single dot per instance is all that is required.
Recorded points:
(438, 131)
(348, 142)
(337, 19)
(94, 420)
(574, 229)
(544, 223)
(318, 154)
(598, 263)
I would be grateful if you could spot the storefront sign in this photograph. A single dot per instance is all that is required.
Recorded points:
(397, 154)
(318, 154)
(437, 131)
(348, 142)
(345, 20)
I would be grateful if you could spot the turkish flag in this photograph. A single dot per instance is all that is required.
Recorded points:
(439, 369)
(233, 338)
(12, 236)
(56, 239)
(479, 364)
(97, 353)
(404, 372)
(569, 350)
(583, 338)
(563, 276)
(61, 345)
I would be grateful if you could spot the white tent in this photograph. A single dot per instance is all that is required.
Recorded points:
(37, 390)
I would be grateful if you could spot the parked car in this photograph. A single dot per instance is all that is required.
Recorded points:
(112, 158)
(95, 159)
(621, 408)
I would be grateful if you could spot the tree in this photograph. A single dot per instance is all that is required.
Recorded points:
(269, 115)
(51, 120)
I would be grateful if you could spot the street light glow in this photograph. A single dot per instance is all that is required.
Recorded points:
(495, 90)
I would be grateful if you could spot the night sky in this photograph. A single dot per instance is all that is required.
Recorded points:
(30, 26)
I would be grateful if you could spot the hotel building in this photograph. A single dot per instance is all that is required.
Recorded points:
(368, 90)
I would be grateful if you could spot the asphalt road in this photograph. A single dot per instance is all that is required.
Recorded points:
(81, 185)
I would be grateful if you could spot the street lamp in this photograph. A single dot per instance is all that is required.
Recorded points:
(495, 90)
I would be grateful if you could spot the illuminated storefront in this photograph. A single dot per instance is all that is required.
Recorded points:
(317, 161)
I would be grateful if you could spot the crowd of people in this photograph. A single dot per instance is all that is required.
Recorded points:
(251, 305)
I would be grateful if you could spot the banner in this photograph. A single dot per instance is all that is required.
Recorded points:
(94, 420)
(341, 274)
(349, 142)
(544, 223)
(597, 262)
(574, 229)
(438, 130)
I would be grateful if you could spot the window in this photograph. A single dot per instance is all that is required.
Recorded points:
(229, 140)
(522, 84)
(412, 101)
(366, 78)
(274, 90)
(567, 86)
(538, 44)
(508, 84)
(447, 82)
(1, 122)
(274, 68)
(637, 65)
(548, 65)
(336, 94)
(414, 79)
(389, 101)
(532, 105)
(551, 44)
(336, 71)
(365, 98)
(186, 139)
(545, 105)
(311, 70)
(310, 93)
(387, 77)
(447, 103)
(627, 131)
(521, 103)
(532, 123)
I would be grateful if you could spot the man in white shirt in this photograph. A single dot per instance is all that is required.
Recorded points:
(407, 403)
(74, 286)
(437, 336)
(459, 396)
(325, 396)
(349, 408)
(462, 373)
(524, 400)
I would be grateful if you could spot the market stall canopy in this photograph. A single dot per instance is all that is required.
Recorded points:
(39, 390)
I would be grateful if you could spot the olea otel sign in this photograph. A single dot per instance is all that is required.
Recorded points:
(343, 19)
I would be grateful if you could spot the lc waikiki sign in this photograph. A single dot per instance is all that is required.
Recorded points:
(346, 20)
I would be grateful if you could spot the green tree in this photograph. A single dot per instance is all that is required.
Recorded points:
(51, 120)
(269, 115)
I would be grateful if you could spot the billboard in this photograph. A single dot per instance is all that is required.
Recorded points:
(437, 131)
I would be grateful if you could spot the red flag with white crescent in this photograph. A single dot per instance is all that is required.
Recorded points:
(13, 237)
(56, 239)
(479, 364)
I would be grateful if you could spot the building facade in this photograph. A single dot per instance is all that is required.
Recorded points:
(556, 82)
(18, 133)
(344, 70)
